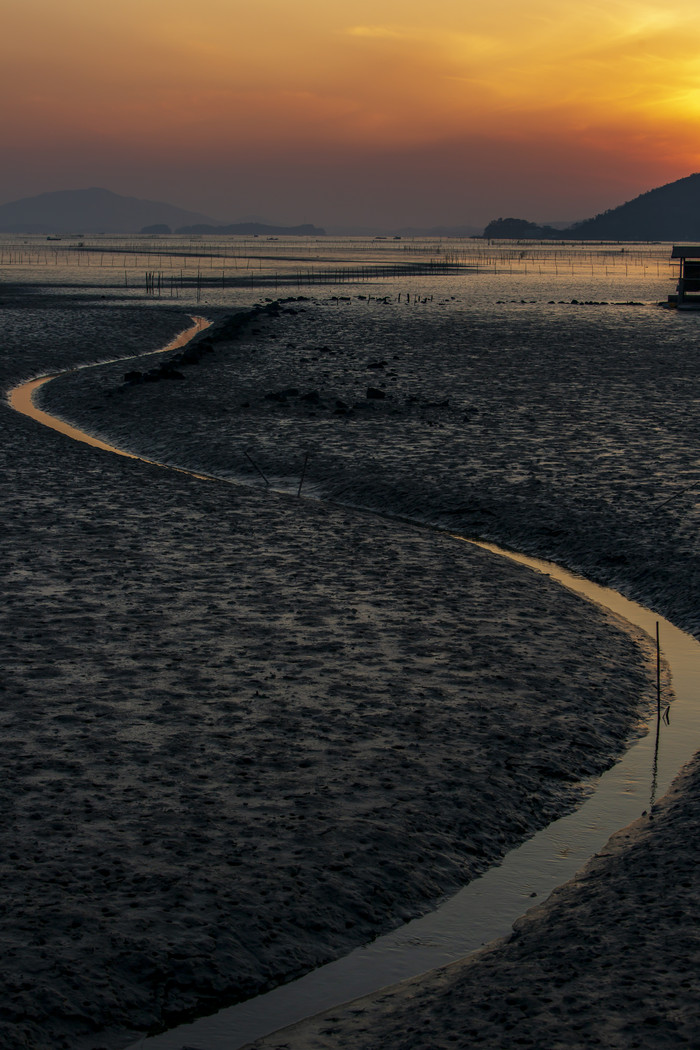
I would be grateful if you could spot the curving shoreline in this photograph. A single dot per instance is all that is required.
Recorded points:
(21, 397)
(413, 957)
(112, 448)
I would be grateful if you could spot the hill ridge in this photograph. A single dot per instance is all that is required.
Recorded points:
(667, 213)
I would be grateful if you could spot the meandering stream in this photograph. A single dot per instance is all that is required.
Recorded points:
(487, 907)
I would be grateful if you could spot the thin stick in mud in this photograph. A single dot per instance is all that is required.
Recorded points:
(303, 474)
(251, 460)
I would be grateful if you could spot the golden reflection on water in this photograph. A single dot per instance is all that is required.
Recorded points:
(21, 398)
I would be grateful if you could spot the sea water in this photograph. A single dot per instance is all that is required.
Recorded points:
(230, 270)
(520, 282)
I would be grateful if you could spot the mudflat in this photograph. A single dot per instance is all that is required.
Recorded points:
(248, 730)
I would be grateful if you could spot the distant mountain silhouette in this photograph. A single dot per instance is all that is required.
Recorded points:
(522, 230)
(252, 229)
(668, 213)
(90, 211)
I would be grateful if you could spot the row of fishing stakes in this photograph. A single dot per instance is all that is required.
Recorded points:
(156, 283)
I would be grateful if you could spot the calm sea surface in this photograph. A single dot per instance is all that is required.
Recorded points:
(231, 271)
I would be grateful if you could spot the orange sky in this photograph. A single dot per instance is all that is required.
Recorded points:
(335, 111)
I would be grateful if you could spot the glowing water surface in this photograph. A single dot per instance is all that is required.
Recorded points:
(21, 398)
(488, 906)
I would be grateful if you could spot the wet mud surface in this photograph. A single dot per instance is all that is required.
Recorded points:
(246, 731)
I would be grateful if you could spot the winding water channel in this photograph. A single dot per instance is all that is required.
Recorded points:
(488, 906)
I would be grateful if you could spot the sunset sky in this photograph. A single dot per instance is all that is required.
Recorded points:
(389, 112)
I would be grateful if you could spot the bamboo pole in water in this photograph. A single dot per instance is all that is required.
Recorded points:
(658, 672)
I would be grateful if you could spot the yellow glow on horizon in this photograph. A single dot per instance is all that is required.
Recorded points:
(365, 74)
